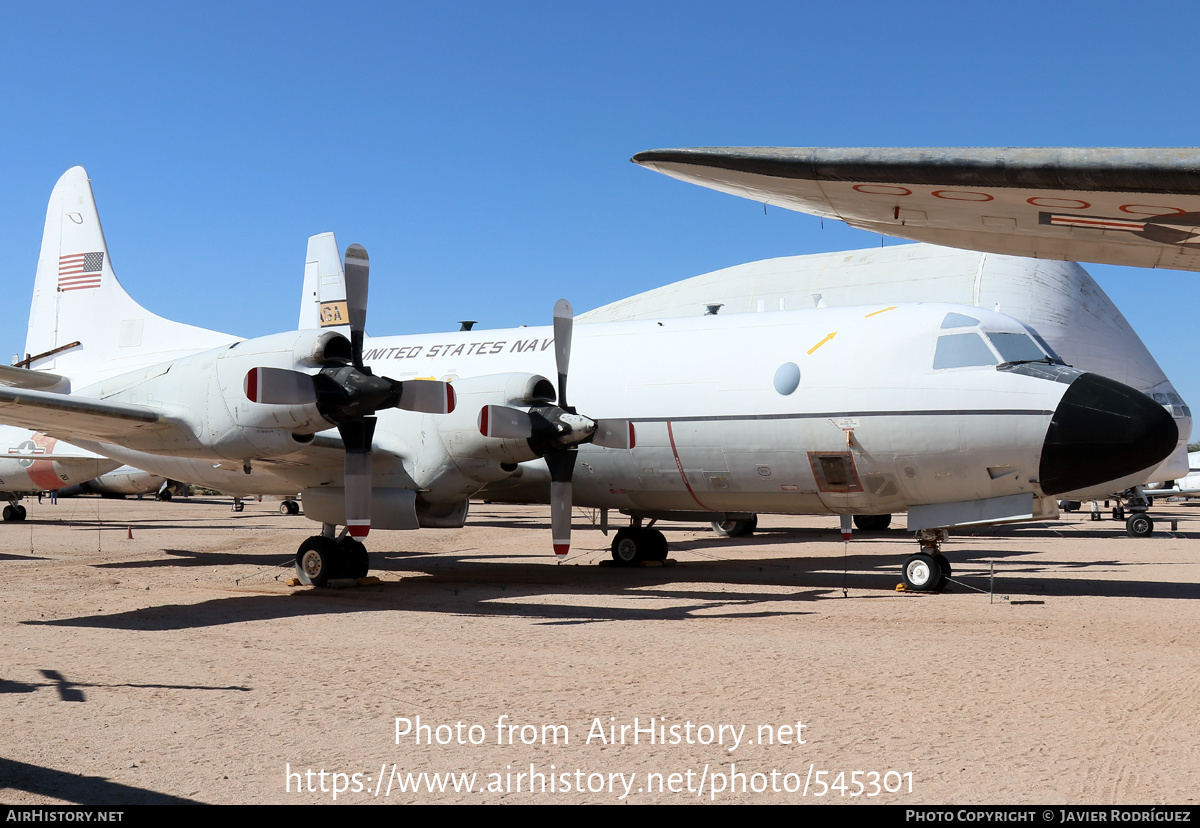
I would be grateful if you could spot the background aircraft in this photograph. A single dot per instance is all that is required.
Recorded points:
(34, 462)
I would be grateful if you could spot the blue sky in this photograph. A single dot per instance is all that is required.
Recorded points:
(480, 150)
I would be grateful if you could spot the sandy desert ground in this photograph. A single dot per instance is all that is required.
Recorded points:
(180, 666)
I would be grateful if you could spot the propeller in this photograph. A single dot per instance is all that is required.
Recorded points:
(350, 395)
(555, 431)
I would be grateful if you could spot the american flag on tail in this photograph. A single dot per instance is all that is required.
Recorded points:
(79, 271)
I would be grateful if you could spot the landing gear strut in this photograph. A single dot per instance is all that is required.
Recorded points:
(1138, 524)
(321, 559)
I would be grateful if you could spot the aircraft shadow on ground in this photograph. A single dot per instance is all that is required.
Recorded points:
(72, 691)
(79, 789)
(733, 584)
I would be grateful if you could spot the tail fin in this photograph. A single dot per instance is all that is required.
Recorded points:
(82, 323)
(323, 301)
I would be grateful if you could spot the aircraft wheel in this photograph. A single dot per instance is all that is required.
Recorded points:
(735, 528)
(629, 547)
(354, 561)
(947, 571)
(922, 573)
(293, 507)
(1139, 525)
(317, 559)
(872, 523)
(164, 496)
(658, 545)
(1118, 513)
(239, 507)
(21, 512)
(10, 513)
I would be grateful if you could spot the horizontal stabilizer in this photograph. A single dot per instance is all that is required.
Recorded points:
(25, 378)
(1138, 207)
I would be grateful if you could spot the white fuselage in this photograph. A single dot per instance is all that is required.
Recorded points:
(869, 427)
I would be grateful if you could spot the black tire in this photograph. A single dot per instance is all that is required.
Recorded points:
(922, 573)
(947, 571)
(21, 512)
(317, 559)
(1139, 525)
(872, 523)
(735, 528)
(293, 507)
(10, 513)
(629, 547)
(284, 509)
(165, 496)
(239, 507)
(353, 558)
(657, 542)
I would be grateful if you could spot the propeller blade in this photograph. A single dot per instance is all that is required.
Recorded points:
(357, 435)
(504, 423)
(617, 434)
(358, 270)
(279, 386)
(564, 321)
(427, 397)
(560, 517)
(562, 466)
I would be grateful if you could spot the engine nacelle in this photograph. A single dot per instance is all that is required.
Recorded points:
(469, 460)
(207, 392)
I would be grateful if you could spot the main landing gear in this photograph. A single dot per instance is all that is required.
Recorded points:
(927, 570)
(735, 528)
(321, 558)
(289, 507)
(14, 511)
(636, 543)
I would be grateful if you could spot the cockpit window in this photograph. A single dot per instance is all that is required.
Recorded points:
(1016, 347)
(962, 351)
(958, 320)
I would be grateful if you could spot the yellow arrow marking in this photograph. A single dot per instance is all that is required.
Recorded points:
(885, 310)
(822, 342)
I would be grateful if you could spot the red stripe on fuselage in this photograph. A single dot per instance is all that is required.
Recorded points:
(679, 465)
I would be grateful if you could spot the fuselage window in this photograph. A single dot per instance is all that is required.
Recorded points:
(1016, 347)
(962, 351)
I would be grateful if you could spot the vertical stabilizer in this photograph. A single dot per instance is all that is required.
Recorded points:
(82, 323)
(323, 301)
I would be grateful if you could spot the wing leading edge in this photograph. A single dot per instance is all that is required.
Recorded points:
(1136, 207)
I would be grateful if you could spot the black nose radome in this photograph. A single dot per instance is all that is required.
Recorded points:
(1103, 430)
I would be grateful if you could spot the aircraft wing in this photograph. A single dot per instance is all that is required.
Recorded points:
(1137, 207)
(80, 418)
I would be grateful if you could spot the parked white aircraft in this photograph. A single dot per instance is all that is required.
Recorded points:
(35, 462)
(1187, 485)
(954, 414)
(1059, 300)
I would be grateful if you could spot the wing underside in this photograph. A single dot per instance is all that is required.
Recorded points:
(1137, 207)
